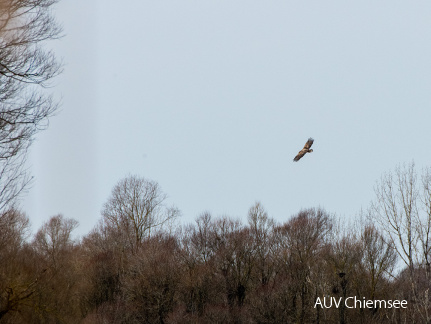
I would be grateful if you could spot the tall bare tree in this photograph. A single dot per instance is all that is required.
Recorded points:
(303, 239)
(54, 239)
(137, 207)
(424, 223)
(379, 258)
(25, 71)
(395, 209)
(402, 209)
(262, 231)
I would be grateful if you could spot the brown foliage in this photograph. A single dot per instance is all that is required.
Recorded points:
(217, 270)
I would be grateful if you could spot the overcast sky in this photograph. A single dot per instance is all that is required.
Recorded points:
(213, 99)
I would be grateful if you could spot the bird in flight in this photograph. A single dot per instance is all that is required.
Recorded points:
(306, 149)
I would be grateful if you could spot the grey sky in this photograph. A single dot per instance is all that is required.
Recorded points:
(213, 99)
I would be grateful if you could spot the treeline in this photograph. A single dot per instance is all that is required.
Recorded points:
(137, 266)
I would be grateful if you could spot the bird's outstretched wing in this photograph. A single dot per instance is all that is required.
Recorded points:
(300, 155)
(309, 143)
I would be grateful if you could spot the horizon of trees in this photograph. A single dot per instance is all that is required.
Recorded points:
(139, 266)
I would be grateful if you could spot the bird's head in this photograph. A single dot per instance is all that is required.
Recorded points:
(310, 150)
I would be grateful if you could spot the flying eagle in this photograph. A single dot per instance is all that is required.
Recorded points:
(306, 149)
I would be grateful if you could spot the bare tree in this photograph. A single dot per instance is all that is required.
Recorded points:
(150, 286)
(54, 238)
(20, 273)
(136, 207)
(13, 229)
(396, 210)
(25, 71)
(302, 241)
(234, 262)
(399, 210)
(379, 257)
(424, 223)
(200, 238)
(262, 231)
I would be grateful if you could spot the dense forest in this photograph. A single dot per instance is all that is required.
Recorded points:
(142, 264)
